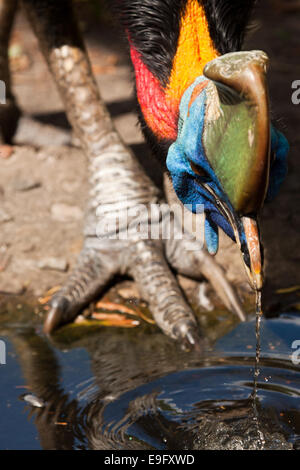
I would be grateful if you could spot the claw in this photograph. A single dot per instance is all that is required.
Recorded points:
(57, 315)
(193, 341)
(159, 287)
(189, 336)
(223, 288)
(89, 278)
(216, 276)
(198, 263)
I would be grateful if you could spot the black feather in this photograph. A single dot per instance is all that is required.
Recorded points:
(153, 27)
(227, 22)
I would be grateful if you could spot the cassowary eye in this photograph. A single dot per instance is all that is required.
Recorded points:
(200, 171)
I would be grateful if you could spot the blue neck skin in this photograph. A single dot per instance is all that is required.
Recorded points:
(188, 148)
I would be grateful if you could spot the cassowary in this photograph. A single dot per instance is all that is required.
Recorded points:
(203, 106)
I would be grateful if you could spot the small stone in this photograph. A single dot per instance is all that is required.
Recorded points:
(33, 400)
(11, 286)
(64, 212)
(55, 264)
(4, 216)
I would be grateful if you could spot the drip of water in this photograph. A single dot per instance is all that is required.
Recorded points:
(258, 311)
(258, 347)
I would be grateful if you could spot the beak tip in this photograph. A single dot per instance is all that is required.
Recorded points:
(255, 270)
(257, 281)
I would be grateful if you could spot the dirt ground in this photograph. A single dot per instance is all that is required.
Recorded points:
(43, 184)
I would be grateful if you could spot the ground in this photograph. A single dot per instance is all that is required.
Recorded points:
(43, 182)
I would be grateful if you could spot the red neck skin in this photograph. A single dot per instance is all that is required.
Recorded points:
(160, 113)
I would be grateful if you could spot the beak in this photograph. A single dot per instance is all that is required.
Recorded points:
(253, 260)
(237, 145)
(247, 237)
(237, 128)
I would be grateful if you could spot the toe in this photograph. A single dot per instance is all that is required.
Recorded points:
(90, 276)
(193, 261)
(159, 288)
(58, 313)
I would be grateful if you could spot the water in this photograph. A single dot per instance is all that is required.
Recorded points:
(258, 316)
(111, 388)
(258, 312)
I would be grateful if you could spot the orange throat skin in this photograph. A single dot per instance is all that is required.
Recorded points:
(160, 105)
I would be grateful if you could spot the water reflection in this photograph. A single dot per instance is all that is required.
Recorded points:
(120, 389)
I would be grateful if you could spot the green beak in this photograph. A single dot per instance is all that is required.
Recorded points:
(237, 127)
(236, 140)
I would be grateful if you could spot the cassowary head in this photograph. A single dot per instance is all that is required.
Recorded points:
(206, 107)
(222, 156)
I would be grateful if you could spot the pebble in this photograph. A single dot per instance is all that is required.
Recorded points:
(64, 212)
(11, 287)
(33, 400)
(55, 264)
(40, 134)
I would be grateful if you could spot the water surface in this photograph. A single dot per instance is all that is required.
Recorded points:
(112, 388)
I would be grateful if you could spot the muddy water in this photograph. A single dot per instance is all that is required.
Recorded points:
(111, 388)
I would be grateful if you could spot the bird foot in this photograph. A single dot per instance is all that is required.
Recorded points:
(150, 262)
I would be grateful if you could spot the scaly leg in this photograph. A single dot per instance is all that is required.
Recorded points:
(118, 185)
(9, 112)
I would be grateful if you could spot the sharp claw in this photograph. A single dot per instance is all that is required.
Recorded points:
(196, 263)
(57, 314)
(189, 336)
(84, 284)
(215, 274)
(230, 299)
(195, 341)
